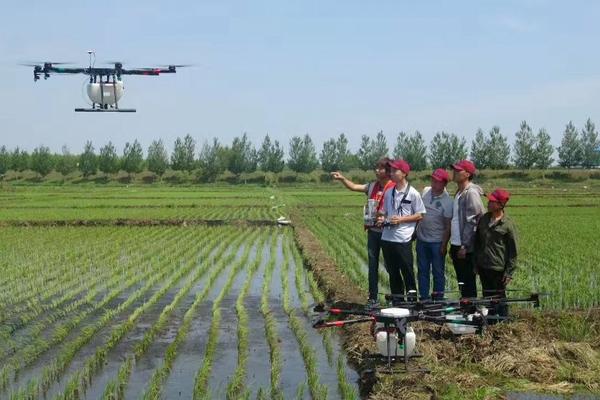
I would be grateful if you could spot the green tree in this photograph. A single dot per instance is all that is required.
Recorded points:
(19, 160)
(4, 160)
(270, 156)
(158, 159)
(184, 151)
(480, 150)
(108, 160)
(543, 150)
(66, 162)
(498, 149)
(133, 157)
(88, 161)
(445, 149)
(380, 148)
(524, 147)
(342, 152)
(365, 154)
(412, 149)
(328, 156)
(570, 153)
(243, 156)
(371, 151)
(302, 157)
(590, 144)
(41, 160)
(335, 154)
(212, 160)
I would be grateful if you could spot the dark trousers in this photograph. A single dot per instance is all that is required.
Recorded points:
(399, 265)
(464, 272)
(491, 284)
(373, 250)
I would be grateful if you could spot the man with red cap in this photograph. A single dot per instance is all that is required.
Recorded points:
(467, 209)
(496, 248)
(433, 233)
(374, 191)
(402, 209)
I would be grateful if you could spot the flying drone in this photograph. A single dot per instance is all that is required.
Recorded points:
(105, 87)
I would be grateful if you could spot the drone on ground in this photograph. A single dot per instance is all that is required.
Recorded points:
(390, 327)
(105, 87)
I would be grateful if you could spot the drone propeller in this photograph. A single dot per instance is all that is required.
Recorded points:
(112, 62)
(177, 65)
(36, 63)
(545, 294)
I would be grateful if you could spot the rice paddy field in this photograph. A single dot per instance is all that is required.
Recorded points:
(559, 238)
(167, 292)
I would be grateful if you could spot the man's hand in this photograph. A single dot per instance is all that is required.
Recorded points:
(337, 175)
(443, 249)
(506, 280)
(461, 253)
(396, 219)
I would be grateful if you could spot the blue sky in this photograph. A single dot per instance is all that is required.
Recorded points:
(296, 67)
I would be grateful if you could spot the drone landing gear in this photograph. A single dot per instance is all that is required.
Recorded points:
(402, 328)
(129, 110)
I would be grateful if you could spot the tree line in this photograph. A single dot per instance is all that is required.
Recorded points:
(489, 150)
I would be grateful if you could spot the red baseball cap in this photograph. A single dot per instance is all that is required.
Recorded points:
(441, 175)
(499, 195)
(465, 165)
(401, 165)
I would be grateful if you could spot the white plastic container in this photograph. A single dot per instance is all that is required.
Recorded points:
(396, 346)
(459, 329)
(104, 93)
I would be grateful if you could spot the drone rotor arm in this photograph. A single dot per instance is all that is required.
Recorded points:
(141, 71)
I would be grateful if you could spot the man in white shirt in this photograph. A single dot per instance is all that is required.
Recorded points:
(402, 209)
(433, 233)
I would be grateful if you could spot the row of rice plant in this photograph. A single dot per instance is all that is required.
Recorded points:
(236, 386)
(116, 388)
(119, 284)
(25, 215)
(78, 383)
(26, 285)
(303, 278)
(41, 301)
(201, 389)
(317, 390)
(76, 299)
(168, 270)
(271, 332)
(232, 242)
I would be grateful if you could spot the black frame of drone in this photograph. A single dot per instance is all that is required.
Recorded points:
(112, 75)
(434, 311)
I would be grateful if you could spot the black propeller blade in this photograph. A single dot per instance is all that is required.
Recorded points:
(35, 63)
(177, 65)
